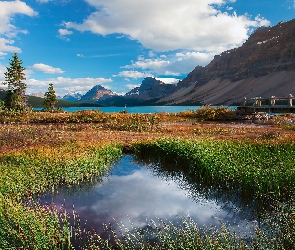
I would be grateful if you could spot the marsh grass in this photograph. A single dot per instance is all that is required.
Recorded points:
(261, 169)
(39, 169)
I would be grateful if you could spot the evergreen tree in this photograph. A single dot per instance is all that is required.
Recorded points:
(16, 90)
(50, 99)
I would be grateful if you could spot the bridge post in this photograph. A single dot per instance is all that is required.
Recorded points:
(272, 101)
(244, 102)
(259, 102)
(290, 100)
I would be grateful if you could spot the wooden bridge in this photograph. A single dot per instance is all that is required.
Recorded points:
(269, 105)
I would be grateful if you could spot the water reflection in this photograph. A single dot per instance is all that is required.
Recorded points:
(137, 191)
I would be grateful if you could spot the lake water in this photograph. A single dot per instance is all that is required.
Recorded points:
(139, 109)
(138, 192)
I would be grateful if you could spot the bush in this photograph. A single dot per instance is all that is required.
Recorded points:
(210, 113)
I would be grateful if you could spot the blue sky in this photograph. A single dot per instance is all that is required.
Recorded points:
(77, 44)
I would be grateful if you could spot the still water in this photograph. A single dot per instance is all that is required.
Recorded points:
(139, 109)
(138, 192)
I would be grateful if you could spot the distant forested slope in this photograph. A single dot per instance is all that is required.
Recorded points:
(37, 102)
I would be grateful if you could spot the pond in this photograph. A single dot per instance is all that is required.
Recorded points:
(138, 192)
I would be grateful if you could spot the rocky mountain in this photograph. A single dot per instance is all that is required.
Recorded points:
(263, 66)
(98, 92)
(147, 93)
(150, 89)
(72, 97)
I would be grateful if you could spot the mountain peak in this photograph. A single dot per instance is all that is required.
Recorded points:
(96, 93)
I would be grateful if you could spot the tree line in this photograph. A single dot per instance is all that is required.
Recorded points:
(16, 99)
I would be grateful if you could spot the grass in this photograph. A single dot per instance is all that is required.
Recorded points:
(39, 169)
(41, 151)
(260, 169)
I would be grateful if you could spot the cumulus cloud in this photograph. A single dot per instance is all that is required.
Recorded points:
(170, 24)
(172, 63)
(8, 31)
(133, 74)
(132, 86)
(168, 80)
(6, 46)
(64, 85)
(64, 32)
(46, 68)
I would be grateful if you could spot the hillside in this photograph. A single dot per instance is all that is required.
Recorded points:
(263, 66)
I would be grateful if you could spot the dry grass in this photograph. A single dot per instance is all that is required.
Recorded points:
(14, 135)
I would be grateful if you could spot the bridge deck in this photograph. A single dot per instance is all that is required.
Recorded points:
(267, 109)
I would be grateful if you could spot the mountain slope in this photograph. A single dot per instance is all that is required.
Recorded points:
(263, 66)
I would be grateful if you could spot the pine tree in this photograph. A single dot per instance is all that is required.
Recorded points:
(50, 99)
(16, 90)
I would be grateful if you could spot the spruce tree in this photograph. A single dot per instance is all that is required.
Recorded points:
(50, 99)
(16, 90)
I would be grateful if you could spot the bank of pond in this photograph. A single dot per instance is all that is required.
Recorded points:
(163, 194)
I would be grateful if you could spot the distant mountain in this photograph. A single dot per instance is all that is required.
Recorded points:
(39, 94)
(263, 66)
(97, 93)
(72, 97)
(148, 93)
(150, 89)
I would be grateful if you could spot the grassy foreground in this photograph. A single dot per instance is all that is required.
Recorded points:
(42, 151)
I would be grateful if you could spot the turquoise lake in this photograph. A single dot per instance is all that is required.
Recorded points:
(140, 109)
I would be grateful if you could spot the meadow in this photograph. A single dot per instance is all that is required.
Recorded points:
(41, 151)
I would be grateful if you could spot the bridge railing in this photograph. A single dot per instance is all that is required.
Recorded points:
(268, 102)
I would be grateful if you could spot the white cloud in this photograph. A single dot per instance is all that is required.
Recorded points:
(133, 74)
(64, 32)
(6, 46)
(64, 85)
(7, 30)
(2, 71)
(46, 68)
(132, 86)
(170, 24)
(168, 80)
(172, 64)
